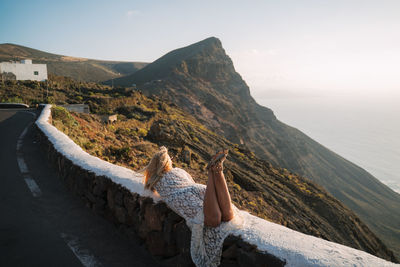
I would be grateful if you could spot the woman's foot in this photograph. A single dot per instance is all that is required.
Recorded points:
(217, 160)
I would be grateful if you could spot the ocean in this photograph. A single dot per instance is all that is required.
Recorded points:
(364, 130)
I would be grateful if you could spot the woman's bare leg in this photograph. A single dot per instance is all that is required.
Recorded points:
(223, 196)
(211, 209)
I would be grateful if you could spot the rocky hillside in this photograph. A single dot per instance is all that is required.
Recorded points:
(255, 185)
(144, 123)
(202, 80)
(82, 69)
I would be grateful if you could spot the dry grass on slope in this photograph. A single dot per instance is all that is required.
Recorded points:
(271, 193)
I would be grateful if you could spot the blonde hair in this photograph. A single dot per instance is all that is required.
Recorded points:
(159, 164)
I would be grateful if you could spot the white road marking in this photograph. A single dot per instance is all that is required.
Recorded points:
(22, 165)
(24, 132)
(83, 255)
(19, 144)
(23, 168)
(32, 185)
(21, 137)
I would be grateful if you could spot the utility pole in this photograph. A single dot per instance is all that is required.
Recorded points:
(79, 85)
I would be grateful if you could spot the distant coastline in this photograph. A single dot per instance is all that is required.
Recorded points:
(364, 131)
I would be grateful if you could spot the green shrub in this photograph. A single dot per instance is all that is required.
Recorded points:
(111, 128)
(50, 100)
(120, 152)
(61, 114)
(88, 145)
(14, 99)
(142, 132)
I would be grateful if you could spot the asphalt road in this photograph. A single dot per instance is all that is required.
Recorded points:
(41, 222)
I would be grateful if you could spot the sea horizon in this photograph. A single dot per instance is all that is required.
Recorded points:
(362, 129)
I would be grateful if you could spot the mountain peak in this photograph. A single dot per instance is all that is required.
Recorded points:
(202, 79)
(210, 41)
(205, 59)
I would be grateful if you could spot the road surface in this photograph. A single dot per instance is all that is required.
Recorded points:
(41, 222)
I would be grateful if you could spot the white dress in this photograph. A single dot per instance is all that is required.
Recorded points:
(178, 189)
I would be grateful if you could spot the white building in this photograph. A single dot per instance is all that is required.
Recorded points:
(24, 70)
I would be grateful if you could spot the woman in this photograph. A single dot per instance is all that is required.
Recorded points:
(207, 209)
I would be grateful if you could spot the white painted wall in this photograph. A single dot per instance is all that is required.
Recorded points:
(26, 70)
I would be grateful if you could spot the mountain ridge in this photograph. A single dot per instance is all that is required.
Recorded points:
(145, 123)
(84, 69)
(202, 80)
(206, 95)
(270, 193)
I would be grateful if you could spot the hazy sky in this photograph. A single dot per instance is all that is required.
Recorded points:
(302, 47)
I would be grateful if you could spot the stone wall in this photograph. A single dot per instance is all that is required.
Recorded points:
(164, 232)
